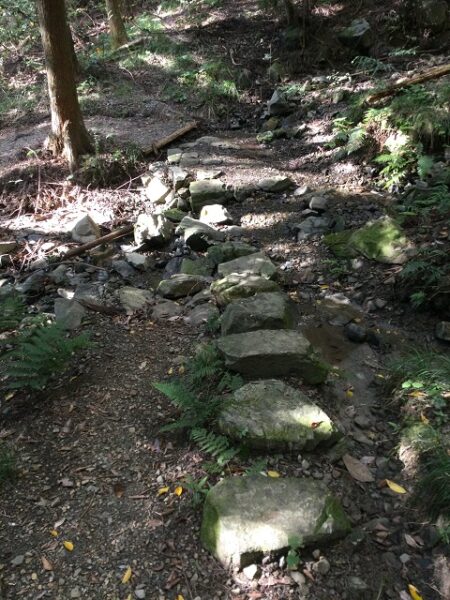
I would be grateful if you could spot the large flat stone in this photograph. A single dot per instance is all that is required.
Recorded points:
(181, 285)
(273, 353)
(275, 416)
(198, 235)
(235, 286)
(207, 191)
(263, 311)
(245, 518)
(253, 264)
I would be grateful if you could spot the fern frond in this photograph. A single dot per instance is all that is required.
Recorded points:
(216, 445)
(12, 311)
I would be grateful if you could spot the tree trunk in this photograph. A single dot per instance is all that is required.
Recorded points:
(292, 15)
(116, 27)
(69, 136)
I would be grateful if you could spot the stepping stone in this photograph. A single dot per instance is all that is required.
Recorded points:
(207, 191)
(181, 285)
(133, 299)
(198, 235)
(253, 264)
(220, 253)
(236, 286)
(278, 183)
(273, 353)
(263, 311)
(275, 416)
(201, 266)
(245, 518)
(215, 214)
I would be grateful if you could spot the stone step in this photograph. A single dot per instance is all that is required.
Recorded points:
(181, 285)
(276, 416)
(253, 264)
(273, 353)
(245, 518)
(271, 310)
(236, 286)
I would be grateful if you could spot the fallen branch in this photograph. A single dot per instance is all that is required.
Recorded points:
(433, 73)
(109, 237)
(165, 141)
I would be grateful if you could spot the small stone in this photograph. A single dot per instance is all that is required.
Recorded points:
(174, 155)
(301, 191)
(322, 566)
(207, 191)
(154, 230)
(215, 214)
(34, 284)
(69, 313)
(357, 584)
(18, 560)
(179, 286)
(139, 261)
(318, 203)
(404, 558)
(443, 331)
(85, 230)
(278, 104)
(133, 299)
(75, 593)
(298, 577)
(124, 269)
(379, 303)
(251, 572)
(139, 593)
(179, 177)
(278, 183)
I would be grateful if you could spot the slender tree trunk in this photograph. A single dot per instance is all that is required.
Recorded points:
(69, 136)
(116, 27)
(292, 14)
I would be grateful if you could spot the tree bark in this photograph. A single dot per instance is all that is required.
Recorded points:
(69, 136)
(116, 27)
(292, 14)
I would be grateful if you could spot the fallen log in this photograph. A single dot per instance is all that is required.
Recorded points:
(109, 237)
(433, 73)
(165, 141)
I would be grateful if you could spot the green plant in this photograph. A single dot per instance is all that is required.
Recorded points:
(433, 488)
(12, 311)
(370, 65)
(39, 350)
(7, 465)
(198, 395)
(293, 556)
(198, 488)
(422, 275)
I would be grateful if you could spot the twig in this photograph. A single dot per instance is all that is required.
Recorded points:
(114, 235)
(165, 141)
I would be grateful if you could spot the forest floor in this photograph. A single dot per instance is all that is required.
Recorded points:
(92, 465)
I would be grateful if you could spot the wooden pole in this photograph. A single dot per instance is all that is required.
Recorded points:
(170, 138)
(114, 235)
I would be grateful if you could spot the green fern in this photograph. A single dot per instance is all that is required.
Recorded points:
(218, 446)
(12, 311)
(39, 354)
(195, 410)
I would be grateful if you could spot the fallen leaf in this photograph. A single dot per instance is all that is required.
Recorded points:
(411, 541)
(68, 546)
(66, 482)
(424, 419)
(181, 370)
(180, 597)
(349, 393)
(163, 490)
(395, 487)
(316, 424)
(178, 490)
(127, 575)
(119, 489)
(54, 533)
(59, 523)
(170, 371)
(152, 523)
(10, 395)
(356, 469)
(273, 474)
(46, 564)
(414, 592)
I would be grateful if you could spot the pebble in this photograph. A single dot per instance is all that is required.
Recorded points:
(18, 560)
(139, 593)
(322, 566)
(299, 578)
(251, 572)
(75, 593)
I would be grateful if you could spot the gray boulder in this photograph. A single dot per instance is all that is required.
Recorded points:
(69, 313)
(275, 416)
(154, 230)
(166, 309)
(179, 177)
(207, 191)
(198, 235)
(278, 183)
(202, 314)
(201, 266)
(156, 191)
(357, 35)
(179, 286)
(236, 286)
(253, 264)
(278, 105)
(245, 518)
(273, 353)
(263, 311)
(133, 299)
(34, 284)
(220, 253)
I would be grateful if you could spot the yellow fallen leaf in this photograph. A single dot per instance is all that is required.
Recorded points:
(273, 474)
(178, 490)
(349, 393)
(170, 371)
(68, 546)
(424, 419)
(180, 597)
(395, 487)
(324, 287)
(54, 533)
(127, 575)
(163, 490)
(417, 394)
(10, 395)
(414, 592)
(129, 597)
(181, 370)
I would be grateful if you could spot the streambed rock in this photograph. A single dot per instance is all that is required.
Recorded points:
(198, 235)
(247, 517)
(262, 311)
(273, 353)
(275, 416)
(235, 286)
(253, 264)
(181, 285)
(207, 191)
(220, 253)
